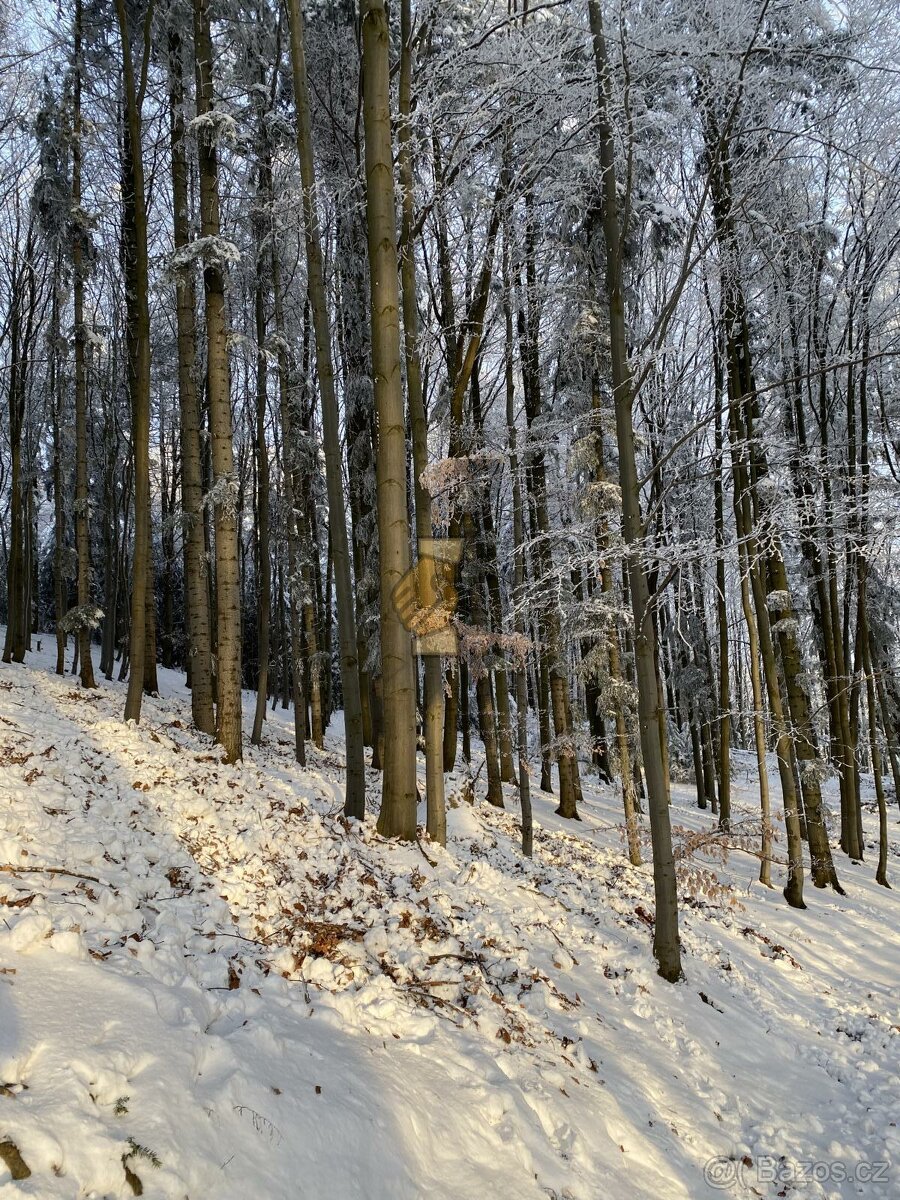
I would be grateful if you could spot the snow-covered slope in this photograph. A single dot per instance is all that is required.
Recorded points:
(231, 992)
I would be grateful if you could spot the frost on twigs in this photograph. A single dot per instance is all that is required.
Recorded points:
(696, 880)
(210, 251)
(481, 646)
(82, 220)
(223, 495)
(82, 616)
(602, 497)
(814, 770)
(69, 562)
(776, 601)
(787, 625)
(455, 483)
(215, 125)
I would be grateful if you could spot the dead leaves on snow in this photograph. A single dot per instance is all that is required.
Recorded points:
(15, 1163)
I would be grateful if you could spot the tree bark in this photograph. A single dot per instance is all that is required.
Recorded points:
(263, 563)
(518, 568)
(355, 798)
(218, 382)
(398, 802)
(433, 700)
(198, 649)
(666, 944)
(82, 495)
(137, 298)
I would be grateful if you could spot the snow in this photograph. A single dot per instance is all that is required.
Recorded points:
(254, 997)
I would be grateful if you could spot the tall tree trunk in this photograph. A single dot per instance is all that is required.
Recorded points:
(354, 799)
(168, 471)
(293, 661)
(750, 570)
(518, 567)
(151, 681)
(862, 604)
(263, 563)
(771, 590)
(433, 701)
(20, 332)
(724, 699)
(199, 646)
(759, 727)
(783, 621)
(623, 745)
(666, 945)
(82, 495)
(881, 869)
(554, 655)
(137, 299)
(112, 492)
(398, 801)
(59, 515)
(613, 658)
(890, 731)
(218, 382)
(477, 612)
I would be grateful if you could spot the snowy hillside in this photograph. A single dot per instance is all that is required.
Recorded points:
(212, 986)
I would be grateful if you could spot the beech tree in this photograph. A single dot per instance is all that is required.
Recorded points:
(398, 798)
(224, 496)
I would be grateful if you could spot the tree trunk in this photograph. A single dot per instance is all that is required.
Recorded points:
(553, 656)
(218, 382)
(293, 661)
(354, 800)
(263, 563)
(750, 570)
(82, 496)
(59, 516)
(433, 700)
(198, 649)
(518, 569)
(398, 800)
(666, 945)
(137, 299)
(724, 704)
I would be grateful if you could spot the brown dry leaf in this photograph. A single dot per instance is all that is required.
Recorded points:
(15, 1163)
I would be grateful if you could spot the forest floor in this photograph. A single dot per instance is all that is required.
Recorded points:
(212, 986)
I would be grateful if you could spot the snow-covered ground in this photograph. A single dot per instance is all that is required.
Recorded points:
(231, 993)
